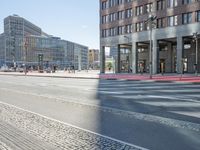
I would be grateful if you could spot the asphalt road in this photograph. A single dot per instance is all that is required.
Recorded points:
(157, 116)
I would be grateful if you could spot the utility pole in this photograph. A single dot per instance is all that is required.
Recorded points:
(5, 50)
(150, 22)
(128, 60)
(195, 36)
(26, 47)
(14, 52)
(150, 50)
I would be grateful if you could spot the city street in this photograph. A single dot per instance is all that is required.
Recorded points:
(69, 113)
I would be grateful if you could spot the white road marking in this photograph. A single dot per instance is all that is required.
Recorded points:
(146, 117)
(179, 90)
(111, 92)
(173, 98)
(186, 113)
(170, 104)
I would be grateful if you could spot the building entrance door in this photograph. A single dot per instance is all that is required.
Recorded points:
(125, 60)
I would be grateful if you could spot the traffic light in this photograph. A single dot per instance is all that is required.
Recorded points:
(40, 62)
(40, 58)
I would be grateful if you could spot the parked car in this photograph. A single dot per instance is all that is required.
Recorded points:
(5, 68)
(48, 70)
(20, 69)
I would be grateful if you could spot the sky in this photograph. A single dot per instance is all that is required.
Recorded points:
(72, 20)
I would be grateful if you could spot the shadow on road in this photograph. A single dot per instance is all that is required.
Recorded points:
(148, 98)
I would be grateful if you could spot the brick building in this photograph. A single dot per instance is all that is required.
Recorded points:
(124, 26)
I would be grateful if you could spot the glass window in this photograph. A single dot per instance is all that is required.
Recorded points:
(160, 5)
(139, 10)
(121, 30)
(129, 13)
(139, 26)
(198, 16)
(121, 15)
(187, 18)
(149, 7)
(160, 23)
(128, 28)
(172, 3)
(172, 21)
(186, 1)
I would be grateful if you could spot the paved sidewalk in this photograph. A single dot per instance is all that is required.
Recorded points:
(189, 78)
(3, 146)
(15, 139)
(59, 74)
(37, 132)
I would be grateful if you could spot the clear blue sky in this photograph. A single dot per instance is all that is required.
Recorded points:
(73, 20)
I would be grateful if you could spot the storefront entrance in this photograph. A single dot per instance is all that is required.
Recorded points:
(125, 66)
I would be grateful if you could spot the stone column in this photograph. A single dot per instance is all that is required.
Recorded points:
(179, 55)
(155, 56)
(134, 57)
(169, 61)
(118, 61)
(102, 59)
(198, 64)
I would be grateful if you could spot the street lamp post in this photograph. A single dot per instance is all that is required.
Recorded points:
(113, 63)
(5, 50)
(25, 62)
(150, 50)
(128, 61)
(195, 36)
(150, 22)
(13, 52)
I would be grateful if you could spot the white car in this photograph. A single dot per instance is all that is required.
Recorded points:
(4, 68)
(20, 69)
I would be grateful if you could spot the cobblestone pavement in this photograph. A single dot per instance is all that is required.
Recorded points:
(3, 146)
(60, 135)
(15, 139)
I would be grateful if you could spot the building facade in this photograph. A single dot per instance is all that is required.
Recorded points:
(125, 27)
(24, 43)
(2, 47)
(93, 58)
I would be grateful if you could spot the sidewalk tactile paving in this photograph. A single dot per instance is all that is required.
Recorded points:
(58, 134)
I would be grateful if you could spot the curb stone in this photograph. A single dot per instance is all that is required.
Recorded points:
(98, 78)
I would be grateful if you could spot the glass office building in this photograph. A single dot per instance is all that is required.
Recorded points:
(24, 43)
